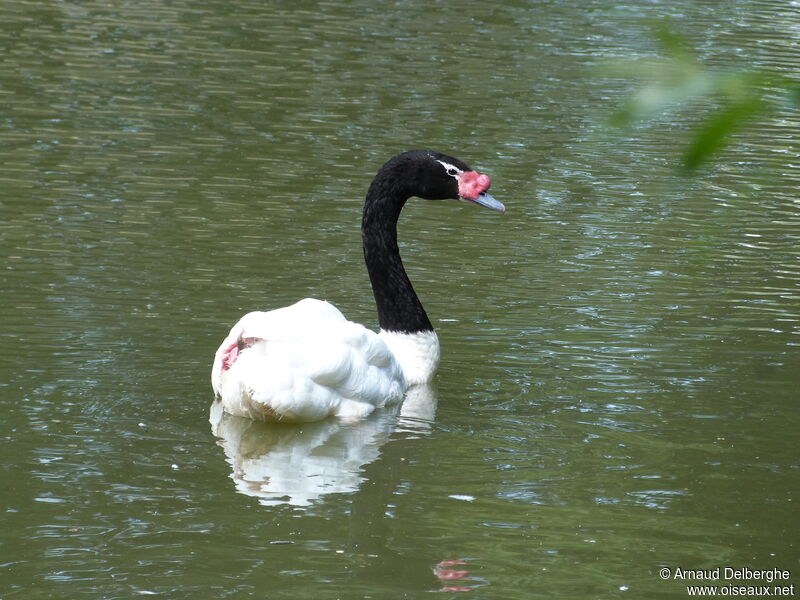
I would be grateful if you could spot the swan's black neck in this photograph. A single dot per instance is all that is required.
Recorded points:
(399, 308)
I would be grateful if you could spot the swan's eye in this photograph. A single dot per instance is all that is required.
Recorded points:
(450, 169)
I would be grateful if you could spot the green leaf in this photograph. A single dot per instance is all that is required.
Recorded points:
(717, 131)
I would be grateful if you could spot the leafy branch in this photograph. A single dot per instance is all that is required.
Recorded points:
(739, 97)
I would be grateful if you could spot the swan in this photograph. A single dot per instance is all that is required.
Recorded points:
(306, 362)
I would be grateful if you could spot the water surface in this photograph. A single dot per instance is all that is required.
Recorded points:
(618, 389)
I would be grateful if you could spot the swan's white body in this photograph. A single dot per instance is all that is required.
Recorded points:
(306, 362)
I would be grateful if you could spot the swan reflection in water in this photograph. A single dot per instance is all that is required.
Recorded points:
(299, 464)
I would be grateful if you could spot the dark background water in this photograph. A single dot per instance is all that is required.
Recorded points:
(618, 388)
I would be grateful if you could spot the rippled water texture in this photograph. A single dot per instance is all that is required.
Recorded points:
(619, 384)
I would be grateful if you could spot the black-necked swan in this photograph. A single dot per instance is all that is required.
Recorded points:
(306, 362)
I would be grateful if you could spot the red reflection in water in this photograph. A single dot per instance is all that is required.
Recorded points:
(443, 571)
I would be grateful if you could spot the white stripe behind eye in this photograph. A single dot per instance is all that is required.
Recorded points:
(447, 166)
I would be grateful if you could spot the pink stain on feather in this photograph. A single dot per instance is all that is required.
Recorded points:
(231, 353)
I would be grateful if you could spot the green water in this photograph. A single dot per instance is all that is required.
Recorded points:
(621, 350)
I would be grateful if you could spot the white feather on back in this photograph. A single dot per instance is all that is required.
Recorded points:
(303, 363)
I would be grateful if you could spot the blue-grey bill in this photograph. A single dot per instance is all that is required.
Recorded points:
(487, 201)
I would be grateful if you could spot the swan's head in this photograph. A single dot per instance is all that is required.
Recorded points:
(436, 176)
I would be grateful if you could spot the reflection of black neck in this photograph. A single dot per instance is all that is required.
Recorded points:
(399, 308)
